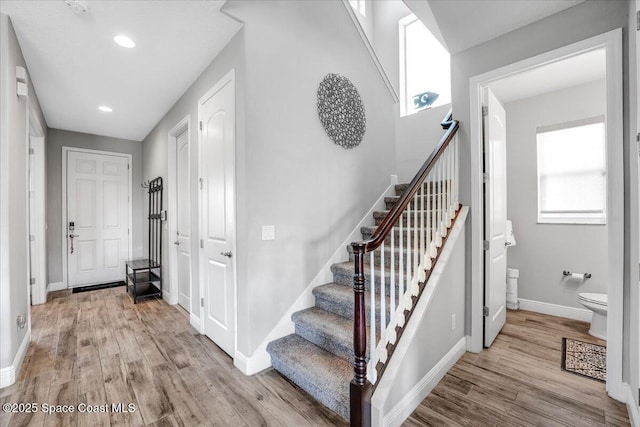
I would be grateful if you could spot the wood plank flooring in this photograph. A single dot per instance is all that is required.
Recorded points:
(518, 382)
(99, 348)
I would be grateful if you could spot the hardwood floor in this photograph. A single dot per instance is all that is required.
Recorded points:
(99, 348)
(518, 382)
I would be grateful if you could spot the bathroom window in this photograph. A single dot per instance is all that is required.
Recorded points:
(572, 173)
(425, 68)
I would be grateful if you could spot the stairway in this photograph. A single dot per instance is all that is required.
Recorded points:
(318, 357)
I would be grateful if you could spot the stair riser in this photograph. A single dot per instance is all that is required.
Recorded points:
(345, 309)
(346, 279)
(343, 350)
(377, 256)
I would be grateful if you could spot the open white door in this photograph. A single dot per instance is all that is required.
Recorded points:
(495, 217)
(97, 223)
(217, 215)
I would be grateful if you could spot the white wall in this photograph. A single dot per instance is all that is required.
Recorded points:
(595, 17)
(416, 134)
(14, 207)
(543, 251)
(289, 173)
(56, 139)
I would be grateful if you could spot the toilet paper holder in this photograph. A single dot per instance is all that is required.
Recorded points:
(577, 275)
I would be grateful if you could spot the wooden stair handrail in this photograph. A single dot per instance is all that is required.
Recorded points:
(385, 228)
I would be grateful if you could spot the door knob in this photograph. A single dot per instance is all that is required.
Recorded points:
(227, 254)
(177, 243)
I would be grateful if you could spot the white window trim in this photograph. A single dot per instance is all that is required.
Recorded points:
(584, 217)
(402, 25)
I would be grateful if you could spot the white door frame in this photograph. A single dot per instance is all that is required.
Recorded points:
(63, 237)
(612, 42)
(229, 77)
(37, 142)
(182, 126)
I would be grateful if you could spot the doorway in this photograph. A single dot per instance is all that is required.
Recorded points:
(96, 216)
(180, 259)
(612, 43)
(216, 148)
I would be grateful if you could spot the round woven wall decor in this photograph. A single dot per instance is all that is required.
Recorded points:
(341, 111)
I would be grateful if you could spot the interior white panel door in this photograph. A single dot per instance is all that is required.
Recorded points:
(98, 205)
(495, 203)
(217, 171)
(183, 215)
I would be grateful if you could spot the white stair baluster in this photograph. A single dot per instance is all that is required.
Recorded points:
(372, 291)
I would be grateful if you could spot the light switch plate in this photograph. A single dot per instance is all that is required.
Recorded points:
(268, 232)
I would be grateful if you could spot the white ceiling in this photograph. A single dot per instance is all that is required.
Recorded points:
(75, 65)
(573, 71)
(468, 23)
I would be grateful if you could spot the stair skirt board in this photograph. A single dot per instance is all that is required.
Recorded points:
(260, 359)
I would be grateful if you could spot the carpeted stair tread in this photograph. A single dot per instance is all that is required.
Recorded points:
(318, 372)
(343, 275)
(338, 299)
(325, 329)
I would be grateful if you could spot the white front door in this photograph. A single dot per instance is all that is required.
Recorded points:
(183, 215)
(97, 218)
(217, 216)
(495, 217)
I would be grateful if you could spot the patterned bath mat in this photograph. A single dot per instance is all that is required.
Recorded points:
(583, 358)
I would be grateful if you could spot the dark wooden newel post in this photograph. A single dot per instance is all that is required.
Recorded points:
(360, 387)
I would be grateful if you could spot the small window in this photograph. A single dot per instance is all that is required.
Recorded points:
(572, 173)
(358, 6)
(425, 69)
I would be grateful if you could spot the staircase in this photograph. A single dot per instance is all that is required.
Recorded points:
(318, 358)
(343, 344)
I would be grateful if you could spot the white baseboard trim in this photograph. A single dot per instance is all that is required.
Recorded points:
(632, 408)
(8, 375)
(260, 359)
(403, 409)
(195, 322)
(556, 310)
(56, 286)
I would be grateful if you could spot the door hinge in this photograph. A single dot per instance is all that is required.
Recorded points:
(201, 302)
(201, 243)
(128, 166)
(32, 151)
(485, 110)
(32, 238)
(638, 29)
(485, 177)
(485, 311)
(128, 231)
(200, 181)
(485, 245)
(201, 125)
(32, 281)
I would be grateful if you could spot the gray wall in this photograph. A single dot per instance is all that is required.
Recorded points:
(14, 208)
(594, 17)
(417, 134)
(543, 251)
(56, 139)
(289, 173)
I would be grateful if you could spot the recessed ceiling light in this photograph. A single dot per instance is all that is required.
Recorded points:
(124, 41)
(105, 108)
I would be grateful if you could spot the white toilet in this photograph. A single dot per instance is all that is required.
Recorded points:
(598, 304)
